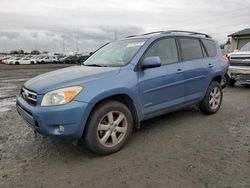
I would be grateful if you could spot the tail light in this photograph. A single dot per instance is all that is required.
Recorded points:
(226, 58)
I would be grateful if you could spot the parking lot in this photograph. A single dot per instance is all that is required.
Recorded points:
(181, 149)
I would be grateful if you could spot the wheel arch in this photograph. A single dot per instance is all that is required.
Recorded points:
(217, 78)
(120, 97)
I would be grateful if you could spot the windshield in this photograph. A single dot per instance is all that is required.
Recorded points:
(117, 53)
(246, 47)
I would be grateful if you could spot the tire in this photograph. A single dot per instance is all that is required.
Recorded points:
(16, 63)
(32, 63)
(212, 101)
(103, 135)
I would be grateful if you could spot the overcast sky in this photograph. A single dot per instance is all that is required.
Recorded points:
(47, 24)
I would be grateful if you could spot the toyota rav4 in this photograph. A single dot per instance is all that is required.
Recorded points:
(123, 83)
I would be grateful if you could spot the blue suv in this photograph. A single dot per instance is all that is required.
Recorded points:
(123, 83)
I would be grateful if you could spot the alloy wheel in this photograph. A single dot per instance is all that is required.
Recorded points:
(112, 128)
(215, 98)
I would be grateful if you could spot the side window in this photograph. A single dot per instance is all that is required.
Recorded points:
(191, 48)
(166, 49)
(210, 47)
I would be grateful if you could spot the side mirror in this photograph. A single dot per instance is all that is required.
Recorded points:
(151, 62)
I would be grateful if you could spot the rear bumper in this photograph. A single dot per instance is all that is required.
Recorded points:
(239, 73)
(46, 120)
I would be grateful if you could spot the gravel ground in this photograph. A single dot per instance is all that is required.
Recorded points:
(181, 149)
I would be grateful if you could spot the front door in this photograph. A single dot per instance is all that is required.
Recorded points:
(162, 87)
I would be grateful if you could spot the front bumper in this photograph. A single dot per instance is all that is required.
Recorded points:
(239, 73)
(46, 120)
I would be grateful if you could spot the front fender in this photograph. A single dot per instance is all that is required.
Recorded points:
(118, 91)
(105, 95)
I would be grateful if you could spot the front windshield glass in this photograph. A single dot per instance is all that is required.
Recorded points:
(246, 47)
(117, 53)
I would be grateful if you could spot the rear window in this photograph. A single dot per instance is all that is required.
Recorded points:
(191, 49)
(210, 47)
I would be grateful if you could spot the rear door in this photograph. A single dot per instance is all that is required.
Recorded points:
(162, 87)
(195, 67)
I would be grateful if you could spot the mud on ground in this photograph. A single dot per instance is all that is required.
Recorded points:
(180, 149)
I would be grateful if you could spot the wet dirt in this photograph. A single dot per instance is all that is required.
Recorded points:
(180, 149)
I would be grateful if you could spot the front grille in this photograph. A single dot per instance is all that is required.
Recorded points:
(29, 96)
(232, 63)
(243, 76)
(241, 58)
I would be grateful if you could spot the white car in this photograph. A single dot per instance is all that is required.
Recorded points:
(5, 60)
(34, 59)
(23, 61)
(48, 59)
(239, 65)
(12, 61)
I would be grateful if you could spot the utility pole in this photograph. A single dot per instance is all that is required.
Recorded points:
(63, 47)
(48, 49)
(115, 34)
(77, 38)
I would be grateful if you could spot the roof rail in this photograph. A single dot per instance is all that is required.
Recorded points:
(187, 32)
(132, 36)
(172, 31)
(155, 32)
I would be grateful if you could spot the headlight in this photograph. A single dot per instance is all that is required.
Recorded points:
(60, 96)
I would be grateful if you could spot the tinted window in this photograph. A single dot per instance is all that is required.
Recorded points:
(166, 49)
(210, 47)
(191, 48)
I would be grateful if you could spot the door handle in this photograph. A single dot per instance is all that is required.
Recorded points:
(179, 71)
(210, 65)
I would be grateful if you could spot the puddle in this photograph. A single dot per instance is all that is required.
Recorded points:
(15, 80)
(8, 87)
(2, 110)
(6, 104)
(6, 91)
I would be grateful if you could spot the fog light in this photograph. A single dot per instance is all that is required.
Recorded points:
(61, 128)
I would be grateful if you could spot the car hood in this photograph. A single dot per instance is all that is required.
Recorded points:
(72, 76)
(246, 53)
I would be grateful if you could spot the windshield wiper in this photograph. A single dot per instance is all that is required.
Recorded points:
(94, 65)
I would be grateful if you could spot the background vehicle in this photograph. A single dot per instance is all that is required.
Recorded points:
(69, 60)
(3, 58)
(13, 61)
(6, 60)
(82, 59)
(23, 61)
(48, 59)
(38, 59)
(124, 83)
(34, 59)
(74, 59)
(239, 69)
